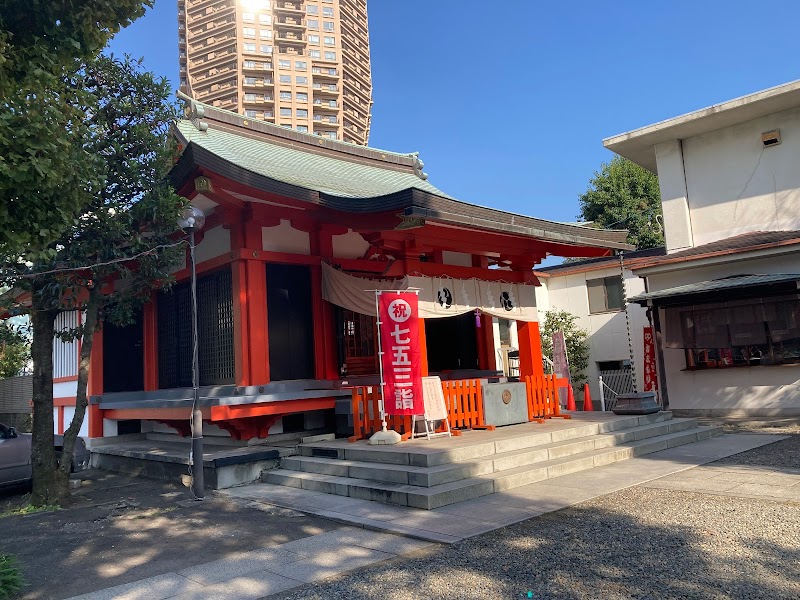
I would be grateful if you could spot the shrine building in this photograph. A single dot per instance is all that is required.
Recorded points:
(300, 230)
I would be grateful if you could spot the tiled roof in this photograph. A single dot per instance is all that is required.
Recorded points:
(294, 165)
(630, 260)
(746, 242)
(718, 285)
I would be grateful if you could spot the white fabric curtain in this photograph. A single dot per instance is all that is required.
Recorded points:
(439, 297)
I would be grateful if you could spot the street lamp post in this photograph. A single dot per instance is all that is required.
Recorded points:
(192, 219)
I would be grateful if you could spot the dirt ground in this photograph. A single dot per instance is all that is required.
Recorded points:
(121, 529)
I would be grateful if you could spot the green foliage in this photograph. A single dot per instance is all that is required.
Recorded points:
(15, 350)
(28, 509)
(576, 340)
(10, 578)
(47, 173)
(624, 195)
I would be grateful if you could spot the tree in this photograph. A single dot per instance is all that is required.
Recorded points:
(576, 341)
(110, 258)
(42, 43)
(624, 195)
(15, 350)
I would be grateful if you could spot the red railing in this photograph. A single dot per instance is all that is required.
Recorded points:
(464, 401)
(542, 393)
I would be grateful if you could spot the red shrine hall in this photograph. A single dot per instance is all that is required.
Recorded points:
(300, 230)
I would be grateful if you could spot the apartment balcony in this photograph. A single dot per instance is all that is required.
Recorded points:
(212, 26)
(215, 75)
(326, 105)
(325, 89)
(287, 23)
(288, 8)
(324, 73)
(257, 66)
(258, 83)
(286, 37)
(216, 60)
(201, 17)
(251, 103)
(326, 120)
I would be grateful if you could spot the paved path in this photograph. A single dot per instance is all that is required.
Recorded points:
(269, 570)
(463, 520)
(280, 568)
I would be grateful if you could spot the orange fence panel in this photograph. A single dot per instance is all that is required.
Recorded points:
(367, 415)
(543, 400)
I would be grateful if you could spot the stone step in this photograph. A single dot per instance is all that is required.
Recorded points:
(425, 456)
(473, 487)
(441, 474)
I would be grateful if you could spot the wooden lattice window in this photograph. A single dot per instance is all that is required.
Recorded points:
(358, 342)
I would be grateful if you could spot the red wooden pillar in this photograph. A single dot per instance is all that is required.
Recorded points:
(257, 341)
(150, 343)
(95, 385)
(530, 349)
(326, 363)
(423, 346)
(241, 338)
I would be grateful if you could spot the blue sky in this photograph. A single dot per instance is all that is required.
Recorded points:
(565, 75)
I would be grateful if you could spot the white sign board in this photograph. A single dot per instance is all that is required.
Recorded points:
(435, 409)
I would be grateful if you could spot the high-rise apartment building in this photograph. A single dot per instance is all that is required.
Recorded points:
(302, 64)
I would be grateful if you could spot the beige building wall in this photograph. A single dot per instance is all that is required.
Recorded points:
(302, 64)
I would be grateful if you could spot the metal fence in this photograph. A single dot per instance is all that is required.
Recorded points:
(614, 382)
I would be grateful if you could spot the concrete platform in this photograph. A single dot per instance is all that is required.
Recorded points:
(430, 474)
(457, 521)
(223, 466)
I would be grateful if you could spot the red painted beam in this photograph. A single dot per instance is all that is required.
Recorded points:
(239, 411)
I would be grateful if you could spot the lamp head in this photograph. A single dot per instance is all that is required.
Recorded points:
(191, 218)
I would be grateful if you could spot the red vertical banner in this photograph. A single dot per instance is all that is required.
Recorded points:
(398, 313)
(650, 377)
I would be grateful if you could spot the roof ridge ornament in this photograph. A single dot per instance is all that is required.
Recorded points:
(196, 110)
(418, 165)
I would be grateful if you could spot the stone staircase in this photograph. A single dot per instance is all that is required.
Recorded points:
(479, 463)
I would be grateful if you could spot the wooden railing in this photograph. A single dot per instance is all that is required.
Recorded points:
(543, 400)
(464, 401)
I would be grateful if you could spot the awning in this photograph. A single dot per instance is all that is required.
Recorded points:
(739, 286)
(439, 297)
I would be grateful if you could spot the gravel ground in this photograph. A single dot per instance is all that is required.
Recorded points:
(784, 454)
(636, 543)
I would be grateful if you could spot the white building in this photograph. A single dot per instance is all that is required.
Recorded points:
(591, 290)
(725, 296)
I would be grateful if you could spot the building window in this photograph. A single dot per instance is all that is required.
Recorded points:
(248, 16)
(249, 47)
(330, 134)
(302, 112)
(330, 56)
(314, 53)
(605, 295)
(266, 49)
(740, 333)
(265, 19)
(327, 25)
(327, 11)
(250, 97)
(286, 79)
(300, 65)
(249, 80)
(250, 113)
(312, 10)
(266, 34)
(302, 97)
(286, 95)
(286, 112)
(284, 64)
(313, 39)
(330, 40)
(249, 32)
(302, 128)
(301, 80)
(249, 64)
(312, 24)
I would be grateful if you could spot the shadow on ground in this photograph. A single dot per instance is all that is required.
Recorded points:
(123, 529)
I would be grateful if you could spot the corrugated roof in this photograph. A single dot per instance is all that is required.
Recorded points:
(718, 285)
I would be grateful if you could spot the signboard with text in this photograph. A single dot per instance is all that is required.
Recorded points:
(650, 377)
(398, 314)
(561, 363)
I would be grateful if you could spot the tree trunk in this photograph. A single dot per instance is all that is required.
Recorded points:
(49, 487)
(81, 399)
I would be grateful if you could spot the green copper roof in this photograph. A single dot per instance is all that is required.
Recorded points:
(311, 170)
